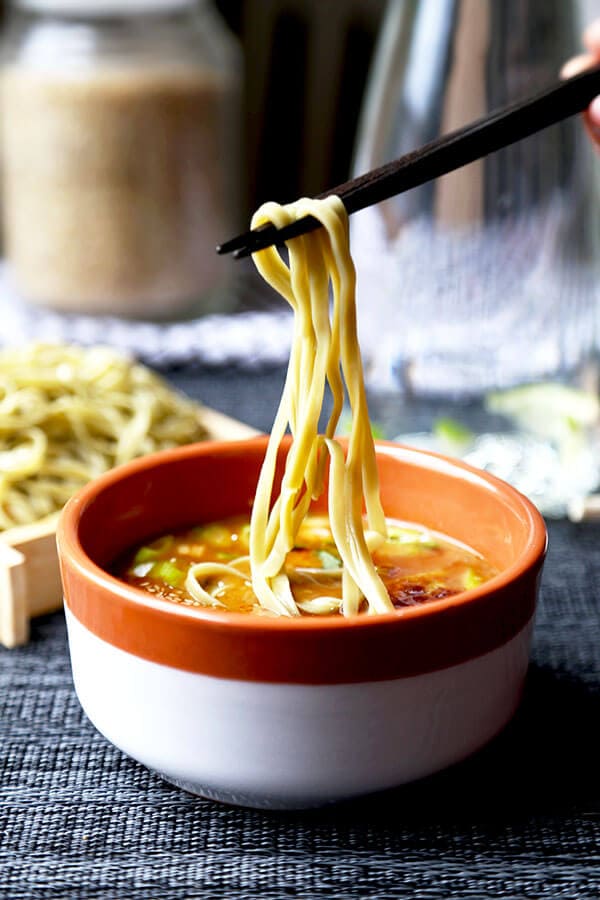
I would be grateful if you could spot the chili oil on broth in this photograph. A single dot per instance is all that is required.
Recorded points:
(415, 565)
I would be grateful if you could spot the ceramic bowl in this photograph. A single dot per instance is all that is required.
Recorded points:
(291, 713)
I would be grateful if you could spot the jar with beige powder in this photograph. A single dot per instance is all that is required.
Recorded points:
(119, 122)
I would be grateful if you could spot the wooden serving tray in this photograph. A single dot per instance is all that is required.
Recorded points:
(29, 576)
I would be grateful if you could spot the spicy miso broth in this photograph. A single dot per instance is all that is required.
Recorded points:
(416, 566)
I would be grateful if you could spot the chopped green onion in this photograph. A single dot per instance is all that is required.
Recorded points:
(471, 579)
(144, 554)
(452, 432)
(411, 536)
(328, 560)
(244, 535)
(414, 549)
(168, 572)
(549, 410)
(215, 534)
(154, 549)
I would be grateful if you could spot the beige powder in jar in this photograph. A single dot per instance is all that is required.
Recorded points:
(115, 187)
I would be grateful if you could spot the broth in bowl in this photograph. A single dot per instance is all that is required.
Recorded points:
(415, 565)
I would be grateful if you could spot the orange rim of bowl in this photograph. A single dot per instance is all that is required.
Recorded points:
(313, 650)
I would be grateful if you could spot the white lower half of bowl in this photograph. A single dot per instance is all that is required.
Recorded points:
(292, 746)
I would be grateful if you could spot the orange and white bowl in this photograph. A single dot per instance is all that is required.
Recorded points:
(289, 713)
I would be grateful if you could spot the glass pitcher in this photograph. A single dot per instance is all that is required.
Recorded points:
(478, 292)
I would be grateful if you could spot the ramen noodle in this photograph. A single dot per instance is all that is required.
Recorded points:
(68, 414)
(324, 352)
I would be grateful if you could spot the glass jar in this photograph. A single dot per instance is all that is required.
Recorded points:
(119, 128)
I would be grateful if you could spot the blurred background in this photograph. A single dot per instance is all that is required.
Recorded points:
(136, 136)
(289, 77)
(298, 123)
(306, 64)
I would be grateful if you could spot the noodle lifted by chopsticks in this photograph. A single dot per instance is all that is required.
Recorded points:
(324, 351)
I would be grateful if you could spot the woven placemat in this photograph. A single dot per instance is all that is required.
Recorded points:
(78, 819)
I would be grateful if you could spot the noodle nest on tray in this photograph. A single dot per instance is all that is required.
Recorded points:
(67, 414)
(324, 352)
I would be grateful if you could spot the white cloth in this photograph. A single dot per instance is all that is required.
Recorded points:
(257, 334)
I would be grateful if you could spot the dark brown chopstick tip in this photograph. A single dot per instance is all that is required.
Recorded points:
(231, 245)
(270, 235)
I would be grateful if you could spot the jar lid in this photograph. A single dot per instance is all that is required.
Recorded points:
(104, 7)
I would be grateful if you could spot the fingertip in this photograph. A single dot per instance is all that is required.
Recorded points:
(577, 64)
(591, 37)
(592, 128)
(594, 112)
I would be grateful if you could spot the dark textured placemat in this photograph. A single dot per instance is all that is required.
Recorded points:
(521, 819)
(80, 820)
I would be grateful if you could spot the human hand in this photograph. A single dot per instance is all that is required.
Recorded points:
(591, 41)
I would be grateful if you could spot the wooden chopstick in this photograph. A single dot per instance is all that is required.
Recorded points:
(443, 155)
